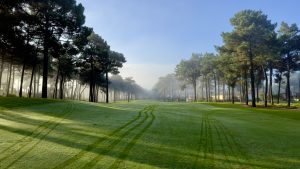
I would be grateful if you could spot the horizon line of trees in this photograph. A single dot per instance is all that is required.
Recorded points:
(254, 52)
(47, 39)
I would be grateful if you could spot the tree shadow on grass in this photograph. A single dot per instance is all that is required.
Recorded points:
(159, 155)
(156, 150)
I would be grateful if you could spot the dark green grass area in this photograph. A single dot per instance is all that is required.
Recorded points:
(148, 134)
(278, 110)
(14, 102)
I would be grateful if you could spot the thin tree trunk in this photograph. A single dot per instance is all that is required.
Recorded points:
(31, 81)
(106, 86)
(38, 81)
(209, 90)
(195, 92)
(22, 78)
(279, 86)
(246, 90)
(56, 84)
(215, 80)
(72, 89)
(271, 86)
(9, 76)
(218, 88)
(206, 90)
(34, 85)
(61, 87)
(13, 80)
(46, 56)
(241, 93)
(92, 89)
(128, 96)
(202, 91)
(233, 94)
(224, 92)
(229, 94)
(266, 88)
(1, 70)
(252, 78)
(257, 92)
(288, 87)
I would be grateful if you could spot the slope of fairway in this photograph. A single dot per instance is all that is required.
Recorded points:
(145, 134)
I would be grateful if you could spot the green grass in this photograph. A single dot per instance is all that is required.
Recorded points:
(37, 133)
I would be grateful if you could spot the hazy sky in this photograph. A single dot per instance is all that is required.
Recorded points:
(154, 35)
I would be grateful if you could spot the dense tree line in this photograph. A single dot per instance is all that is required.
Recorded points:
(254, 52)
(47, 39)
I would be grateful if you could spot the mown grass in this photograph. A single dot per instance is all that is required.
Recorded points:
(14, 102)
(147, 134)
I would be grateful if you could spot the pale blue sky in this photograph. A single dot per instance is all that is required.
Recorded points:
(154, 35)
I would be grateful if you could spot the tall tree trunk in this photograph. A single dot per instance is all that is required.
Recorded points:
(38, 81)
(232, 94)
(246, 89)
(46, 56)
(257, 92)
(266, 88)
(215, 80)
(229, 93)
(202, 91)
(106, 87)
(279, 86)
(92, 85)
(61, 87)
(206, 90)
(195, 90)
(31, 80)
(115, 93)
(252, 78)
(271, 85)
(96, 93)
(22, 78)
(128, 96)
(13, 80)
(218, 88)
(72, 89)
(185, 94)
(56, 84)
(9, 76)
(241, 93)
(91, 93)
(288, 87)
(209, 90)
(34, 85)
(1, 70)
(224, 92)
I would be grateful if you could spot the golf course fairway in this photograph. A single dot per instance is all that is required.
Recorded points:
(50, 134)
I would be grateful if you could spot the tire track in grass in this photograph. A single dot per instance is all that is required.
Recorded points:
(40, 139)
(206, 144)
(97, 158)
(235, 149)
(200, 143)
(221, 144)
(206, 141)
(239, 147)
(210, 142)
(34, 133)
(131, 144)
(92, 146)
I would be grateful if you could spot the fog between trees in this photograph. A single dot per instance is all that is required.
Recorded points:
(258, 61)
